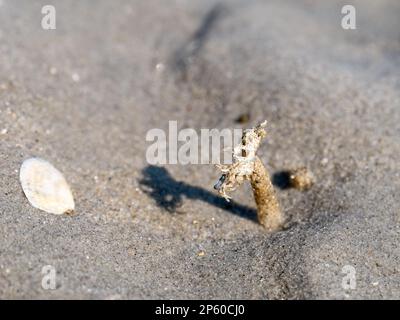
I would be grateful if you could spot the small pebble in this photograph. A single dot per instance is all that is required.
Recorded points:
(76, 77)
(324, 161)
(160, 67)
(53, 71)
(201, 253)
(4, 131)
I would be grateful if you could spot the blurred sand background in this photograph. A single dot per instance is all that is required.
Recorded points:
(84, 95)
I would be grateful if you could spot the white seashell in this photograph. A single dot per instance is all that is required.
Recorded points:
(45, 187)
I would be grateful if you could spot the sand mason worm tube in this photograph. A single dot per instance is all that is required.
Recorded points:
(247, 166)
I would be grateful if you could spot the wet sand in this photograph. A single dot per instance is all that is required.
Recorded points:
(83, 97)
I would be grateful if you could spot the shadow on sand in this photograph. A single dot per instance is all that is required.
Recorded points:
(168, 193)
(196, 42)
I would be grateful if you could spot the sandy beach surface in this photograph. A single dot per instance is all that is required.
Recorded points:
(84, 96)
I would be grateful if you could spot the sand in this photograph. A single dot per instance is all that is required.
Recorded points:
(83, 97)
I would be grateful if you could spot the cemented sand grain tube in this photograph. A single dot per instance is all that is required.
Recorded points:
(247, 166)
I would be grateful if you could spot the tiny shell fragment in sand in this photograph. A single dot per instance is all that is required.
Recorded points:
(201, 253)
(45, 187)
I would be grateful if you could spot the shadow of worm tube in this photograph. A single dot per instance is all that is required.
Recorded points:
(247, 166)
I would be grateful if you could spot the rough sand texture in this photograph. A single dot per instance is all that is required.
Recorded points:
(332, 101)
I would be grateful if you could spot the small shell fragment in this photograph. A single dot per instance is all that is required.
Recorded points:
(45, 187)
(201, 253)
